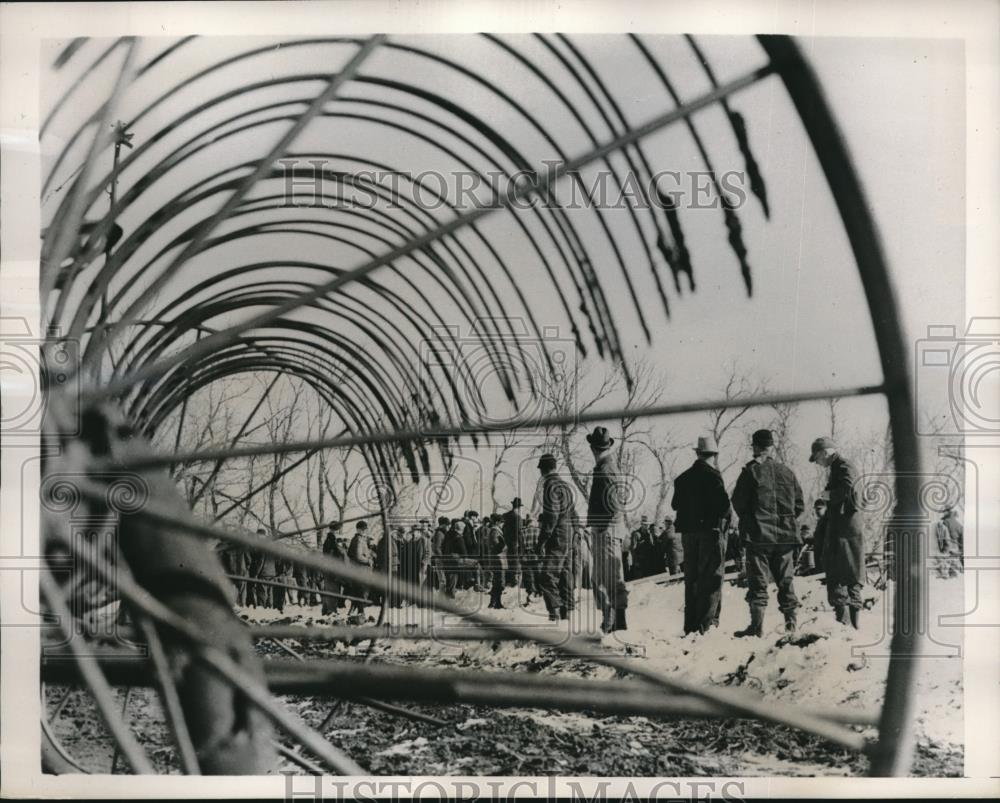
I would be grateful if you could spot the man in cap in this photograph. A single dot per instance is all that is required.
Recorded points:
(843, 538)
(361, 554)
(702, 505)
(768, 500)
(607, 534)
(555, 540)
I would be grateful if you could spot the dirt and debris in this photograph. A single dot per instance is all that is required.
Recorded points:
(825, 664)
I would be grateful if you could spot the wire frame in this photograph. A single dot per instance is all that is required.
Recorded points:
(349, 332)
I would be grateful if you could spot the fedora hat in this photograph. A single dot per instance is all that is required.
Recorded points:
(546, 462)
(516, 503)
(763, 438)
(600, 439)
(706, 445)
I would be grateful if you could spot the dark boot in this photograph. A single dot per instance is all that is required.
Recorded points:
(563, 613)
(790, 622)
(841, 613)
(620, 623)
(756, 627)
(855, 613)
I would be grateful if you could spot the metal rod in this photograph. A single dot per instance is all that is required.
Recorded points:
(897, 736)
(171, 699)
(236, 437)
(114, 756)
(540, 186)
(222, 452)
(357, 682)
(215, 659)
(263, 167)
(389, 709)
(293, 587)
(90, 671)
(71, 211)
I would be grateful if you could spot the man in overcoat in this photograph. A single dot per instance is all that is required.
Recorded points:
(555, 540)
(702, 505)
(768, 499)
(514, 539)
(607, 534)
(843, 548)
(333, 548)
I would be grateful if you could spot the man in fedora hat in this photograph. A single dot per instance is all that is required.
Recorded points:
(768, 500)
(843, 542)
(555, 540)
(702, 506)
(607, 534)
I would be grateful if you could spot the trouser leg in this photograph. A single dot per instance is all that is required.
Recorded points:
(608, 573)
(552, 579)
(711, 563)
(758, 575)
(529, 574)
(783, 570)
(497, 587)
(691, 599)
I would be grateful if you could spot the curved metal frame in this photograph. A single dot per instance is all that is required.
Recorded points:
(153, 380)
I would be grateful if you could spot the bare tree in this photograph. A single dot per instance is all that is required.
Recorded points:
(781, 425)
(723, 422)
(831, 404)
(506, 443)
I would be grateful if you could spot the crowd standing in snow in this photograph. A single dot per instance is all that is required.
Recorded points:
(758, 527)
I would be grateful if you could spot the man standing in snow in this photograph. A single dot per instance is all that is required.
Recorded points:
(950, 537)
(555, 540)
(702, 506)
(843, 538)
(604, 520)
(768, 500)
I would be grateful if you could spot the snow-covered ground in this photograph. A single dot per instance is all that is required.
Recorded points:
(841, 667)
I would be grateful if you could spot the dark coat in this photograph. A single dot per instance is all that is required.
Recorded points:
(768, 500)
(471, 536)
(512, 526)
(556, 521)
(360, 551)
(454, 544)
(700, 499)
(604, 505)
(839, 537)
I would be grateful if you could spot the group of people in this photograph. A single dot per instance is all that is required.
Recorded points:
(757, 525)
(457, 553)
(768, 503)
(263, 581)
